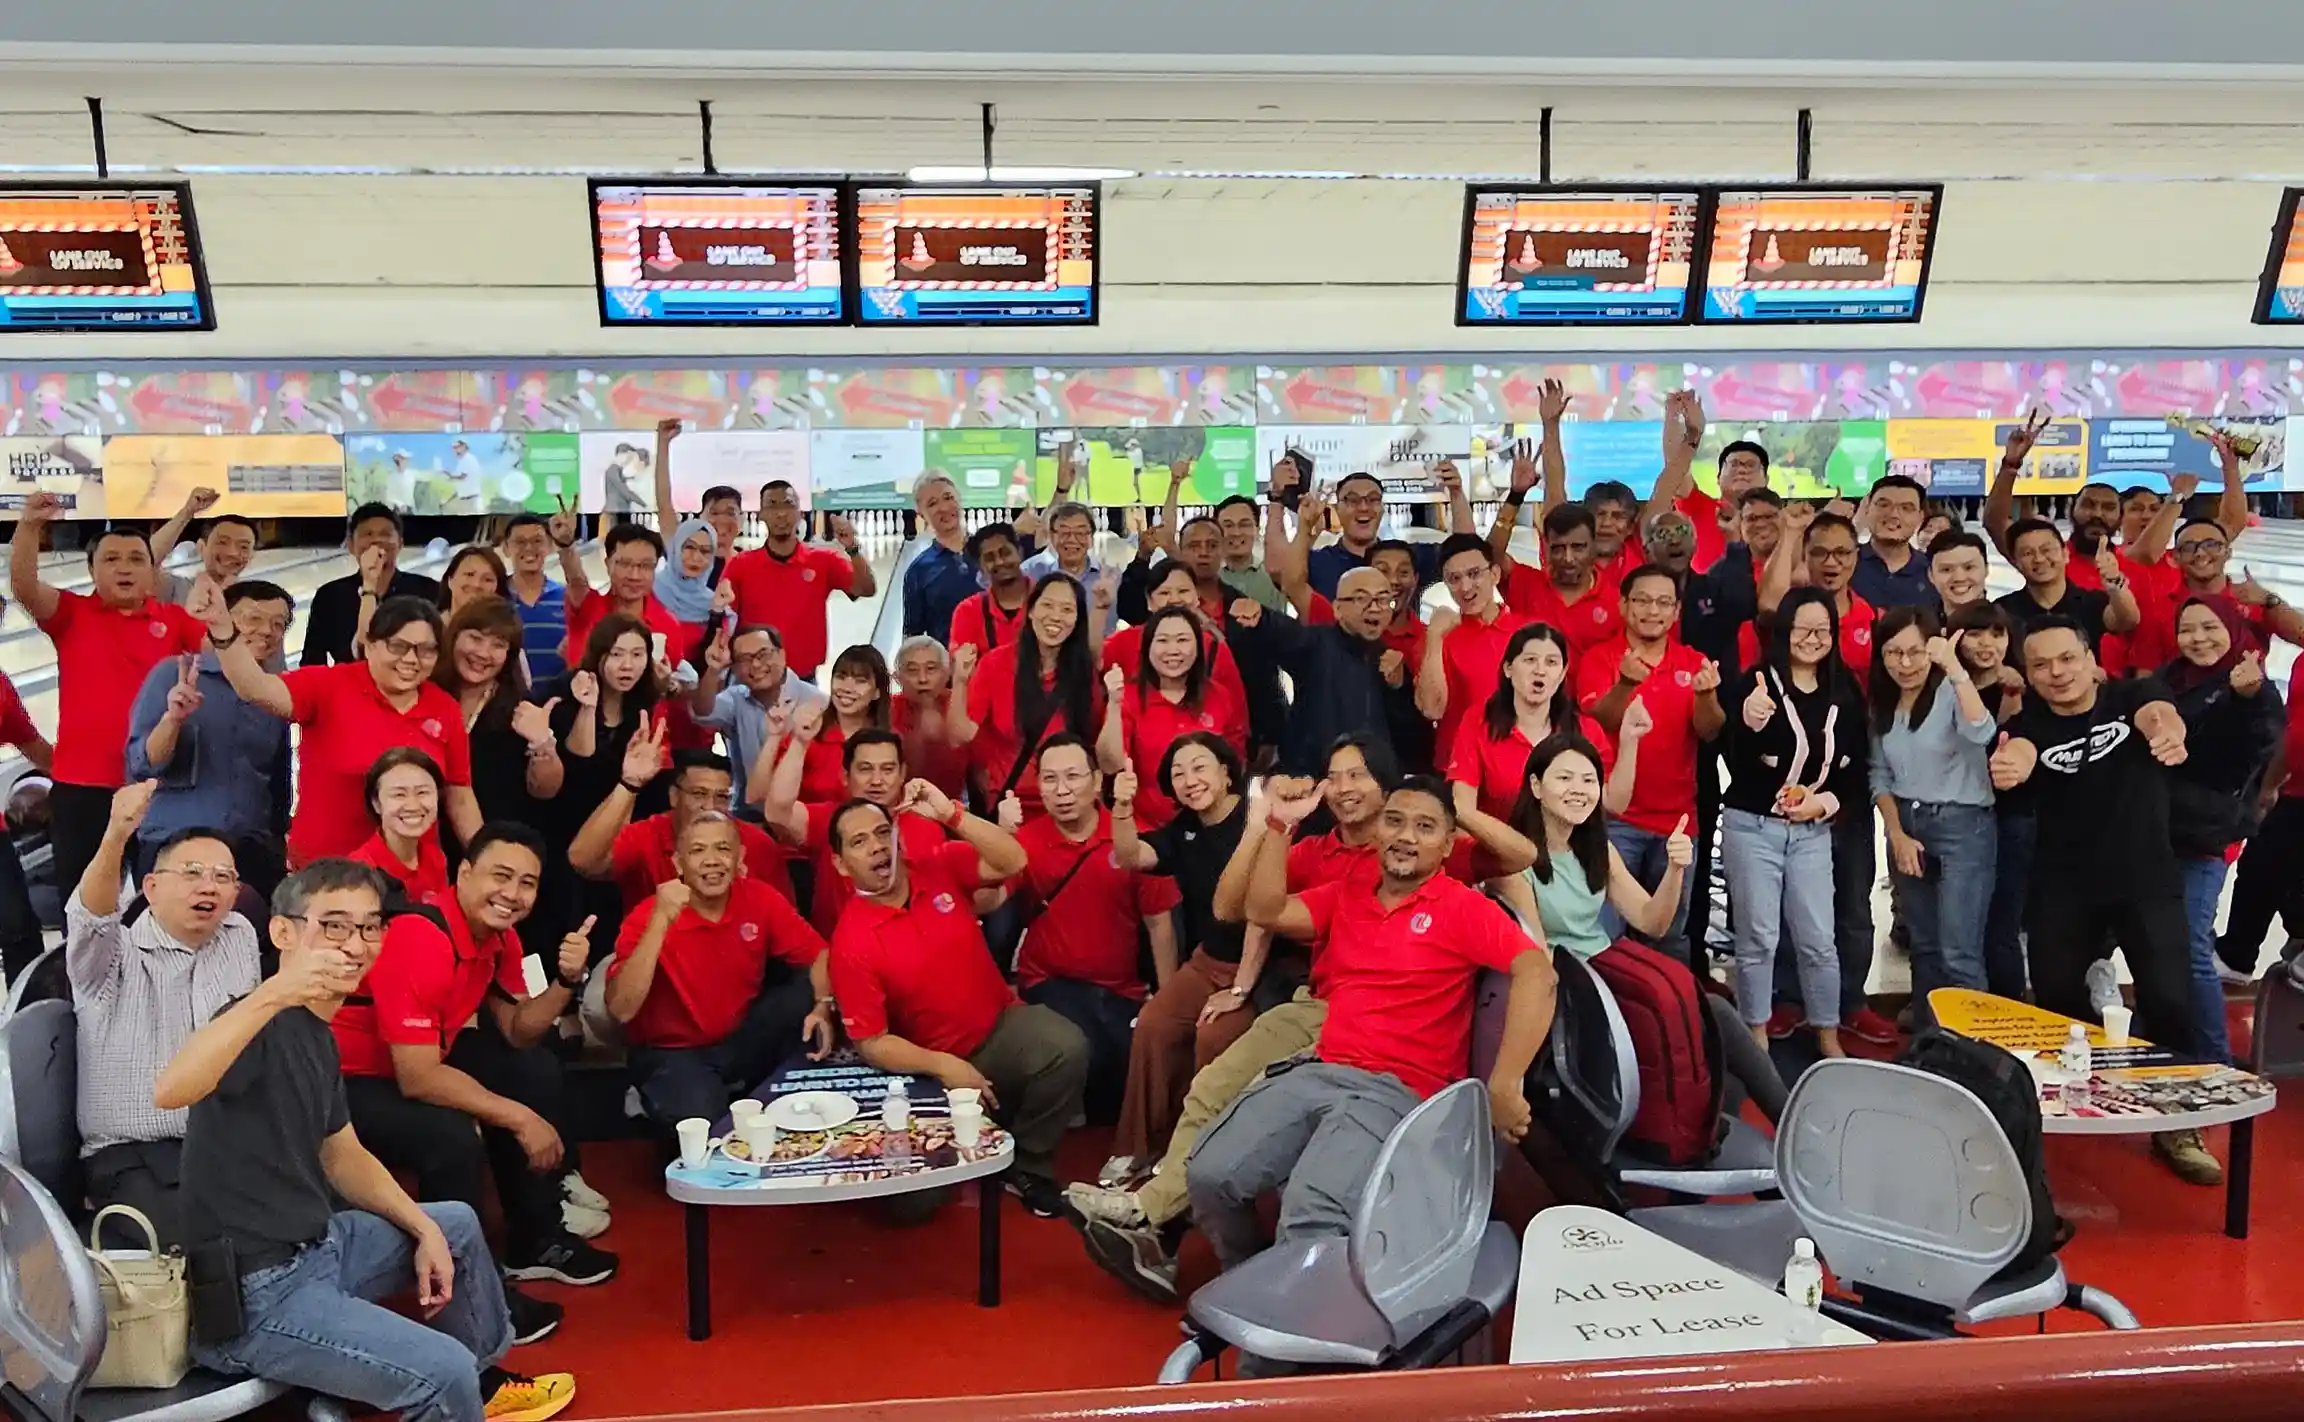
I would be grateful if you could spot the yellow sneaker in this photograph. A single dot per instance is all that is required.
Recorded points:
(524, 1399)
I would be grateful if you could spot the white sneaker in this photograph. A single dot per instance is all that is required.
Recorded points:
(2231, 976)
(572, 1185)
(581, 1222)
(1118, 1170)
(2103, 985)
(1102, 1202)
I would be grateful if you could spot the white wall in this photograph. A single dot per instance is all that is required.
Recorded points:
(451, 267)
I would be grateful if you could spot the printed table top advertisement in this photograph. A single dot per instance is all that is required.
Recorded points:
(2136, 1080)
(851, 1154)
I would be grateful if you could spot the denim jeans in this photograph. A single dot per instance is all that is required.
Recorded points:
(1780, 879)
(1643, 854)
(2005, 971)
(314, 1322)
(1947, 912)
(2203, 886)
(1855, 863)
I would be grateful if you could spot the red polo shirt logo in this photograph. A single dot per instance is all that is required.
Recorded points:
(1421, 923)
(944, 903)
(1112, 857)
(157, 628)
(1861, 635)
(749, 932)
(1599, 614)
(808, 575)
(1684, 678)
(431, 728)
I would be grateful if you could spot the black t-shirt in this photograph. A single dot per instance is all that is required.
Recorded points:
(251, 1171)
(2102, 800)
(2083, 605)
(1194, 854)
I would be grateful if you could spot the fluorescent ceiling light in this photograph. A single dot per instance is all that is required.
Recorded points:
(1016, 175)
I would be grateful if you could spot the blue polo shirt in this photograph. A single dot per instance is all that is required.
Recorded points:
(1326, 566)
(1873, 582)
(937, 581)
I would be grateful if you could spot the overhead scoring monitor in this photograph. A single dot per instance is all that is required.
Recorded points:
(1819, 254)
(717, 252)
(1576, 256)
(101, 257)
(978, 254)
(2280, 294)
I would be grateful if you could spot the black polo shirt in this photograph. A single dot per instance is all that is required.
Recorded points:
(251, 1170)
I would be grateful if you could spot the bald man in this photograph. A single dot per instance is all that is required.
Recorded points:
(1348, 679)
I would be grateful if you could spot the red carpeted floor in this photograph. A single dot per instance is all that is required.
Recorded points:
(834, 1304)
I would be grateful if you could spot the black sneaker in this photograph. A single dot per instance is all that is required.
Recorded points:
(564, 1260)
(1039, 1196)
(532, 1318)
(1140, 1258)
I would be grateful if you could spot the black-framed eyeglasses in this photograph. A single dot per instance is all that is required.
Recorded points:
(340, 930)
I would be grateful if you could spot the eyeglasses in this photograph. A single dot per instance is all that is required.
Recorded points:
(404, 651)
(1814, 634)
(2201, 545)
(1902, 654)
(760, 658)
(1378, 599)
(340, 930)
(1652, 603)
(217, 874)
(1362, 501)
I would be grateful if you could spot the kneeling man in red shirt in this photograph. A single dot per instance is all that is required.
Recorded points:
(717, 980)
(1399, 959)
(919, 991)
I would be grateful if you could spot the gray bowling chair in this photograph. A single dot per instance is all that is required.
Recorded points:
(39, 1095)
(1914, 1196)
(1422, 1272)
(42, 978)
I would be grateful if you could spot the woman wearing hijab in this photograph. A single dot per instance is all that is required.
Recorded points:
(2233, 721)
(684, 586)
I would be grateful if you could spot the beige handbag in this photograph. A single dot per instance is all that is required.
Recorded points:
(147, 1310)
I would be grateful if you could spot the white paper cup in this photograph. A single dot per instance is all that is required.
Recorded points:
(759, 1134)
(967, 1125)
(741, 1111)
(695, 1141)
(964, 1098)
(2116, 1020)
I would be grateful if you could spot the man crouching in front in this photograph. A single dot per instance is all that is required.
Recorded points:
(1400, 959)
(268, 1138)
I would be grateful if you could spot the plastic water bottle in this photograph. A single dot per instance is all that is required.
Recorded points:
(896, 1126)
(1804, 1277)
(2075, 1064)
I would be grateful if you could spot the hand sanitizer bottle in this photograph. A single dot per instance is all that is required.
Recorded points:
(2075, 1064)
(1804, 1276)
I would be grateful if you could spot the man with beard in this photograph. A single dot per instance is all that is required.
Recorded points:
(1399, 964)
(1132, 1233)
(789, 584)
(717, 980)
(1361, 683)
(139, 992)
(1719, 522)
(441, 1099)
(920, 994)
(2039, 553)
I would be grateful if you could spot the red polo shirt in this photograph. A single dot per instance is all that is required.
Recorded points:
(1406, 639)
(427, 879)
(1124, 648)
(1472, 656)
(708, 971)
(1855, 641)
(1498, 769)
(347, 724)
(641, 859)
(981, 622)
(1152, 723)
(1586, 623)
(102, 656)
(1086, 932)
(1664, 782)
(424, 987)
(1703, 513)
(823, 775)
(999, 738)
(938, 762)
(1399, 981)
(2149, 583)
(922, 971)
(921, 839)
(16, 728)
(791, 595)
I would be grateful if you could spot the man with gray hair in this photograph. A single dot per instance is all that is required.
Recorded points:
(1071, 550)
(941, 575)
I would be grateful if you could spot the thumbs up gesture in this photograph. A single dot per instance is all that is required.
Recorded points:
(1011, 812)
(1760, 707)
(1679, 849)
(2011, 762)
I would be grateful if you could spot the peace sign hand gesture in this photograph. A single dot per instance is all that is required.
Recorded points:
(2023, 437)
(184, 696)
(562, 525)
(644, 753)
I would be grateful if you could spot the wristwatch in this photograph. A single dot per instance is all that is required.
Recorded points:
(226, 642)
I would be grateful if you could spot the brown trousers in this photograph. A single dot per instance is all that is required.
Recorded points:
(1170, 1045)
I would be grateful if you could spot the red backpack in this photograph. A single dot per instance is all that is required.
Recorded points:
(1678, 1122)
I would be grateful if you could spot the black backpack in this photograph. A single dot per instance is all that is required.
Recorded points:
(2006, 1088)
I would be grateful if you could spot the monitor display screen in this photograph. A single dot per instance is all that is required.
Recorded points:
(101, 257)
(1576, 256)
(976, 254)
(2280, 295)
(1819, 255)
(717, 252)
